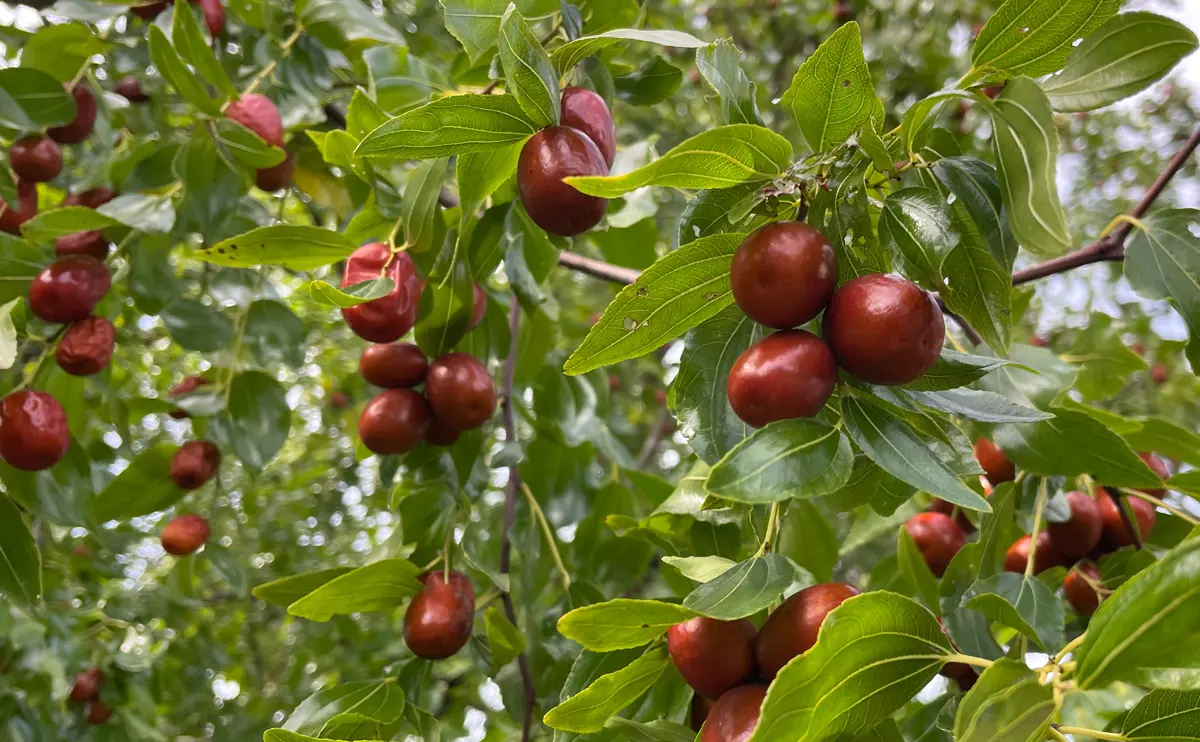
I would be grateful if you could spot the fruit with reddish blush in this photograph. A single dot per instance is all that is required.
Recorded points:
(33, 430)
(93, 198)
(98, 712)
(194, 464)
(1115, 533)
(478, 307)
(1046, 557)
(549, 156)
(131, 90)
(937, 537)
(214, 15)
(187, 386)
(36, 159)
(843, 11)
(792, 629)
(1159, 374)
(1079, 593)
(185, 534)
(258, 114)
(393, 365)
(586, 111)
(713, 656)
(996, 465)
(442, 433)
(86, 347)
(148, 11)
(389, 317)
(1079, 535)
(783, 274)
(338, 400)
(1160, 470)
(786, 375)
(438, 621)
(85, 118)
(460, 391)
(394, 421)
(87, 685)
(276, 177)
(735, 715)
(12, 217)
(91, 242)
(938, 505)
(69, 289)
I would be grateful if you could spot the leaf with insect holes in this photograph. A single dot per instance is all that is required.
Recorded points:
(1035, 37)
(832, 95)
(572, 53)
(458, 125)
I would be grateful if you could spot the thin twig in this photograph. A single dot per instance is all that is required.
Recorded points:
(1159, 502)
(662, 427)
(549, 534)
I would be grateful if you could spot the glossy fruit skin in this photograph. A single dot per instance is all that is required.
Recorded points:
(733, 717)
(783, 274)
(996, 465)
(1160, 469)
(1046, 558)
(131, 90)
(258, 114)
(1078, 536)
(187, 386)
(786, 375)
(12, 218)
(85, 118)
(961, 673)
(549, 156)
(69, 289)
(884, 329)
(149, 11)
(792, 629)
(389, 317)
(713, 656)
(98, 712)
(478, 307)
(93, 198)
(442, 433)
(394, 421)
(1079, 593)
(185, 534)
(276, 177)
(91, 243)
(194, 464)
(939, 505)
(1116, 534)
(438, 621)
(937, 537)
(86, 347)
(214, 15)
(87, 685)
(393, 365)
(33, 431)
(460, 391)
(586, 111)
(35, 158)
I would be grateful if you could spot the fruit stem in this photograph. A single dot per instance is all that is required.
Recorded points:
(1082, 732)
(1037, 526)
(548, 533)
(1190, 519)
(1071, 647)
(1056, 735)
(1118, 221)
(772, 526)
(266, 71)
(967, 659)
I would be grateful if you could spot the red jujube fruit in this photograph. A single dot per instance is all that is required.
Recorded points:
(393, 365)
(187, 386)
(33, 430)
(1115, 533)
(586, 111)
(185, 534)
(148, 11)
(735, 715)
(389, 317)
(276, 177)
(87, 685)
(1079, 535)
(85, 118)
(93, 198)
(86, 347)
(214, 15)
(1046, 557)
(194, 464)
(69, 289)
(549, 156)
(1081, 595)
(996, 466)
(91, 243)
(478, 308)
(36, 159)
(937, 537)
(394, 421)
(460, 390)
(786, 375)
(438, 621)
(1160, 470)
(12, 217)
(131, 90)
(783, 274)
(258, 114)
(98, 712)
(792, 629)
(713, 656)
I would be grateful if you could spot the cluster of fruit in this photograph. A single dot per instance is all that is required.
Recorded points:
(882, 329)
(86, 690)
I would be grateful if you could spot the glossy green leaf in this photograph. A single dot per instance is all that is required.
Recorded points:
(1162, 261)
(1021, 603)
(476, 23)
(53, 223)
(832, 95)
(444, 312)
(60, 49)
(701, 568)
(1007, 703)
(419, 210)
(977, 287)
(972, 404)
(709, 211)
(352, 295)
(146, 213)
(588, 710)
(1106, 362)
(344, 24)
(287, 590)
(375, 587)
(273, 334)
(979, 200)
(994, 683)
(178, 75)
(258, 419)
(915, 569)
(744, 590)
(31, 99)
(376, 705)
(570, 54)
(655, 731)
(1167, 439)
(141, 488)
(458, 125)
(504, 640)
(622, 623)
(654, 81)
(295, 247)
(193, 48)
(529, 76)
(20, 560)
(720, 66)
(916, 229)
(245, 145)
(953, 370)
(1164, 715)
(790, 458)
(1035, 37)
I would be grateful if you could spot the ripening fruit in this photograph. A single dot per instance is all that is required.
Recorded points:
(214, 15)
(389, 317)
(843, 11)
(1046, 558)
(442, 433)
(98, 712)
(194, 464)
(733, 717)
(86, 347)
(938, 505)
(93, 198)
(792, 629)
(131, 90)
(884, 329)
(1159, 374)
(1081, 595)
(937, 537)
(69, 289)
(33, 431)
(713, 656)
(996, 465)
(393, 365)
(438, 621)
(1079, 535)
(35, 158)
(12, 217)
(1160, 470)
(85, 118)
(783, 274)
(394, 421)
(549, 156)
(961, 673)
(87, 685)
(187, 386)
(338, 400)
(478, 307)
(258, 114)
(91, 242)
(586, 111)
(185, 534)
(148, 11)
(1116, 534)
(276, 177)
(460, 391)
(1038, 341)
(786, 375)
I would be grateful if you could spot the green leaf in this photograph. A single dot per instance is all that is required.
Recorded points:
(287, 590)
(375, 587)
(346, 24)
(50, 225)
(832, 95)
(678, 292)
(196, 326)
(915, 227)
(176, 73)
(30, 100)
(20, 561)
(790, 458)
(8, 335)
(481, 174)
(744, 590)
(1021, 603)
(419, 211)
(921, 116)
(808, 538)
(720, 65)
(257, 421)
(994, 683)
(1035, 38)
(528, 74)
(60, 49)
(143, 487)
(245, 145)
(979, 201)
(193, 48)
(1167, 439)
(654, 81)
(379, 704)
(352, 295)
(972, 404)
(718, 158)
(458, 125)
(621, 623)
(476, 23)
(879, 641)
(954, 370)
(701, 568)
(504, 640)
(1025, 144)
(153, 214)
(655, 731)
(444, 311)
(572, 53)
(915, 569)
(1164, 715)
(274, 334)
(295, 247)
(1106, 361)
(588, 710)
(1162, 261)
(1007, 703)
(708, 212)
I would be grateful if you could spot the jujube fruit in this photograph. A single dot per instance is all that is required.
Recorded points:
(87, 685)
(1081, 595)
(389, 317)
(194, 464)
(586, 111)
(843, 11)
(1115, 534)
(69, 289)
(131, 90)
(438, 621)
(187, 386)
(214, 15)
(91, 242)
(938, 505)
(1017, 556)
(393, 365)
(961, 673)
(735, 715)
(85, 118)
(1079, 535)
(98, 712)
(12, 217)
(698, 711)
(33, 430)
(149, 11)
(786, 375)
(937, 537)
(36, 159)
(713, 656)
(996, 466)
(460, 391)
(1159, 373)
(86, 347)
(478, 307)
(394, 421)
(442, 433)
(783, 274)
(884, 329)
(276, 177)
(185, 534)
(792, 629)
(258, 114)
(549, 156)
(93, 198)
(1160, 470)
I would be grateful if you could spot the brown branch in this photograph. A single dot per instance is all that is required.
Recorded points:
(598, 268)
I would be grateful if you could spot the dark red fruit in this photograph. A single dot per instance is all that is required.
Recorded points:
(439, 619)
(786, 375)
(1081, 595)
(843, 11)
(185, 534)
(783, 274)
(549, 156)
(478, 308)
(937, 537)
(131, 90)
(92, 198)
(939, 505)
(792, 629)
(1159, 374)
(91, 242)
(996, 465)
(33, 430)
(35, 158)
(187, 386)
(394, 422)
(338, 400)
(442, 433)
(961, 673)
(83, 123)
(194, 464)
(460, 391)
(734, 716)
(87, 685)
(258, 114)
(12, 217)
(884, 329)
(1116, 534)
(393, 365)
(276, 177)
(69, 289)
(214, 15)
(701, 706)
(1160, 470)
(586, 111)
(389, 317)
(1046, 558)
(1079, 535)
(86, 347)
(713, 656)
(149, 11)
(1038, 341)
(98, 712)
